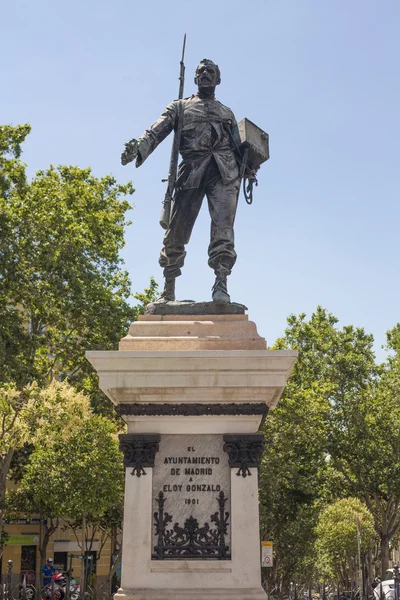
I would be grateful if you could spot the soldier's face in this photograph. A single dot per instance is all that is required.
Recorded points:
(206, 76)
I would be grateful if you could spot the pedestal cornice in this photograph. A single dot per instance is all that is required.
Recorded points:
(193, 377)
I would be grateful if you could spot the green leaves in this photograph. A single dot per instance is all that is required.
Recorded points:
(63, 289)
(39, 415)
(337, 537)
(12, 170)
(334, 434)
(59, 265)
(334, 365)
(80, 470)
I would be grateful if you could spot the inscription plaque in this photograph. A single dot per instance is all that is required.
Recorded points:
(191, 498)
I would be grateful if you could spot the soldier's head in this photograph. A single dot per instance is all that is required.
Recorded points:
(207, 74)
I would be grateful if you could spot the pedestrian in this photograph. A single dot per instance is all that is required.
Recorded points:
(48, 571)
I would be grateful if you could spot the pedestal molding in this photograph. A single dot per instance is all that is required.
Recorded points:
(191, 409)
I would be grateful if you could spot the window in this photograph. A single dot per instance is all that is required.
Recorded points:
(60, 561)
(28, 564)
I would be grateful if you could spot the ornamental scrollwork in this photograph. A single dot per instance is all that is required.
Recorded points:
(191, 540)
(139, 451)
(244, 451)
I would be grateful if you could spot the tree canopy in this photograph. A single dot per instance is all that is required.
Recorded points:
(36, 415)
(75, 471)
(334, 434)
(364, 446)
(79, 471)
(67, 226)
(337, 538)
(63, 290)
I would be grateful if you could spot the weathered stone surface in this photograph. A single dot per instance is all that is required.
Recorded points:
(192, 332)
(190, 307)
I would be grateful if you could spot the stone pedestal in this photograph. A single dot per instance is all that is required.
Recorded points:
(193, 390)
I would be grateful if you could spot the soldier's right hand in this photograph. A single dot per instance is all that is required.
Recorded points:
(130, 152)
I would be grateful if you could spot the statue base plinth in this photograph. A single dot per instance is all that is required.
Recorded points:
(187, 331)
(193, 390)
(192, 308)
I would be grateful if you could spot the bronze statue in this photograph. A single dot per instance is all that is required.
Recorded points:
(209, 143)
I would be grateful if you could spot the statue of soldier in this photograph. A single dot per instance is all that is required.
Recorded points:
(209, 148)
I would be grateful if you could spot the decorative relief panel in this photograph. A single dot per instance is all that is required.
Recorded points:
(191, 498)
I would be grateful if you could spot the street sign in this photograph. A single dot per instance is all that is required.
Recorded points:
(77, 556)
(22, 540)
(266, 554)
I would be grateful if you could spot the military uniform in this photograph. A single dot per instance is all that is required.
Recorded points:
(209, 168)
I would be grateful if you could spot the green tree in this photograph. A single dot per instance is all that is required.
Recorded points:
(68, 278)
(38, 416)
(291, 478)
(12, 170)
(63, 289)
(62, 286)
(337, 539)
(333, 363)
(79, 476)
(365, 448)
(14, 342)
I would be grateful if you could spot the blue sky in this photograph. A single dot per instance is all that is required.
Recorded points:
(321, 76)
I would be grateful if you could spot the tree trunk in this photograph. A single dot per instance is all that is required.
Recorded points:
(43, 546)
(112, 571)
(82, 582)
(39, 566)
(46, 531)
(384, 554)
(285, 586)
(370, 570)
(272, 571)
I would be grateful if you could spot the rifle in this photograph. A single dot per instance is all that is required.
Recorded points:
(173, 164)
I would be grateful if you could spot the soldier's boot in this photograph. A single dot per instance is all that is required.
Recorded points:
(168, 294)
(220, 290)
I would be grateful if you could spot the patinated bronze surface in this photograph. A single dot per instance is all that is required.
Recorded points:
(190, 307)
(208, 144)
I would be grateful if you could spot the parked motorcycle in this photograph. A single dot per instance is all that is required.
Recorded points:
(60, 589)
